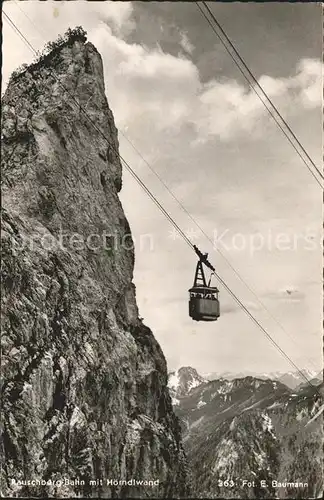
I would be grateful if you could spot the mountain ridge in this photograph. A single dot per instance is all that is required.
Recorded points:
(290, 378)
(253, 429)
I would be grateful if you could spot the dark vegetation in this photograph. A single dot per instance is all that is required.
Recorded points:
(51, 50)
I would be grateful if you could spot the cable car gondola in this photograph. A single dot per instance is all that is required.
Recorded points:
(203, 298)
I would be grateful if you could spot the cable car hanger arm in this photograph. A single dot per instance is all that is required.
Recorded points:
(203, 258)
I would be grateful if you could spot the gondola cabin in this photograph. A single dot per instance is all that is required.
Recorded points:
(203, 303)
(203, 298)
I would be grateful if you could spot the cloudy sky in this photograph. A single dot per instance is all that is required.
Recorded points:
(178, 98)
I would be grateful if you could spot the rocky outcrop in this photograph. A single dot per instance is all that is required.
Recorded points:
(85, 405)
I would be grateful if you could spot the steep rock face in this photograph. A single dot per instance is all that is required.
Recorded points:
(85, 393)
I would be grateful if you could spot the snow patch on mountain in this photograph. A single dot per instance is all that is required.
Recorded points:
(174, 381)
(225, 388)
(194, 383)
(226, 461)
(267, 424)
(317, 414)
(183, 381)
(197, 422)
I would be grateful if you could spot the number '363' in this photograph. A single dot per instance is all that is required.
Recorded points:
(227, 483)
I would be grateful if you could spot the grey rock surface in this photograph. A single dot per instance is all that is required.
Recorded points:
(85, 392)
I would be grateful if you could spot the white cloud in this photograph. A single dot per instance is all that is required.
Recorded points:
(146, 84)
(288, 294)
(155, 91)
(120, 14)
(164, 92)
(185, 43)
(310, 80)
(228, 108)
(305, 85)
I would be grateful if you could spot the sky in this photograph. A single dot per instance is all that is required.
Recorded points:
(188, 120)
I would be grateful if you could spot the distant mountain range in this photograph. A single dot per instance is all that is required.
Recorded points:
(250, 429)
(290, 379)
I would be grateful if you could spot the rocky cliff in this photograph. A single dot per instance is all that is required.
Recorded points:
(85, 405)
